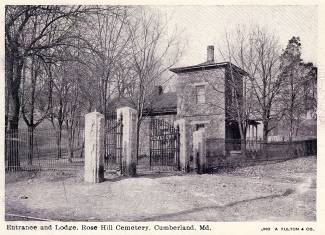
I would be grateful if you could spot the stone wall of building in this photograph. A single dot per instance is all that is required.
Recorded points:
(211, 113)
(186, 93)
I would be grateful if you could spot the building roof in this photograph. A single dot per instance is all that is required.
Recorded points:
(162, 104)
(207, 66)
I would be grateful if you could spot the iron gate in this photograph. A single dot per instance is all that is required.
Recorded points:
(113, 143)
(164, 144)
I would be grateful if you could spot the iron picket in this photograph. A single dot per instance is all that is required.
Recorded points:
(113, 143)
(164, 144)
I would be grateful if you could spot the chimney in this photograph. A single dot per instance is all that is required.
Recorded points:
(210, 54)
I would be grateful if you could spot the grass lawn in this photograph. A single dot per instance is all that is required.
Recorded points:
(284, 191)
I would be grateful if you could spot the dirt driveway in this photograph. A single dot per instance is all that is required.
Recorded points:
(283, 191)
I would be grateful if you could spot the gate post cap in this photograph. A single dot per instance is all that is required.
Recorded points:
(95, 113)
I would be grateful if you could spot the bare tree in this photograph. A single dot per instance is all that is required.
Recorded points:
(257, 52)
(152, 52)
(24, 38)
(70, 81)
(107, 39)
(267, 82)
(100, 41)
(74, 108)
(35, 99)
(61, 92)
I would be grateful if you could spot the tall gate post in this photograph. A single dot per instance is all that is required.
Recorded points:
(94, 147)
(199, 151)
(183, 144)
(129, 140)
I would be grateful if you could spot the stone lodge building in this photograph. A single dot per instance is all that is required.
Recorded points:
(202, 98)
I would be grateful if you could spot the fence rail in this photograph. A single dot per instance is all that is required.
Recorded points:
(44, 149)
(229, 152)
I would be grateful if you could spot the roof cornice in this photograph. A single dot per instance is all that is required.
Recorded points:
(204, 66)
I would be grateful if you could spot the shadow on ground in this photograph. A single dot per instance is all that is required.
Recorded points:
(186, 212)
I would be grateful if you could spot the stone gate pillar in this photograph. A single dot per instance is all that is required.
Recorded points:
(183, 142)
(94, 147)
(199, 151)
(129, 140)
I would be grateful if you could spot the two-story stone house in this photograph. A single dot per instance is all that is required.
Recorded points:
(202, 98)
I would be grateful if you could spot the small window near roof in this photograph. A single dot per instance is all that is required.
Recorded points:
(199, 126)
(200, 94)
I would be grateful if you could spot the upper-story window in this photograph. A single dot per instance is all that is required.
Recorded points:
(200, 94)
(199, 126)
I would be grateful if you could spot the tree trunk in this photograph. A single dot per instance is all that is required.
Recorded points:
(265, 130)
(13, 73)
(242, 133)
(106, 127)
(70, 152)
(137, 145)
(70, 144)
(291, 127)
(59, 140)
(290, 134)
(13, 155)
(12, 150)
(243, 147)
(6, 105)
(265, 135)
(30, 145)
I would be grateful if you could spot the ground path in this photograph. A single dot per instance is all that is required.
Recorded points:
(283, 191)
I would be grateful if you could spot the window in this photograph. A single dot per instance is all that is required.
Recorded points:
(200, 94)
(199, 126)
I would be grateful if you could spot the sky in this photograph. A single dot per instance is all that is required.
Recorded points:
(205, 25)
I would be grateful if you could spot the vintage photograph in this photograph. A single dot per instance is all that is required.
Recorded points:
(136, 113)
